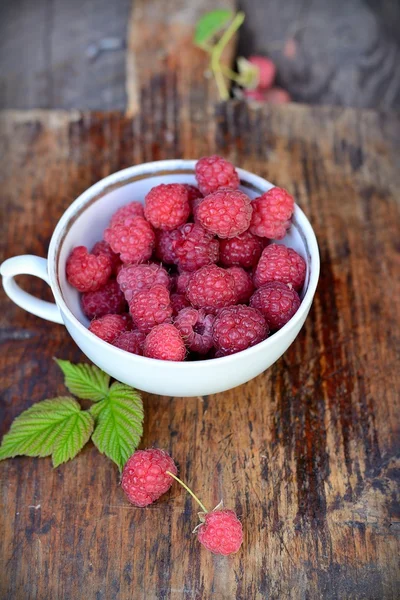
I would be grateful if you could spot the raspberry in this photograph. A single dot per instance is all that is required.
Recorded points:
(226, 213)
(279, 263)
(277, 302)
(272, 213)
(167, 206)
(266, 71)
(108, 327)
(104, 248)
(243, 284)
(149, 307)
(183, 282)
(214, 172)
(241, 251)
(86, 272)
(221, 532)
(178, 301)
(194, 195)
(126, 214)
(134, 278)
(107, 300)
(211, 287)
(133, 242)
(165, 343)
(145, 478)
(196, 328)
(130, 341)
(237, 328)
(195, 247)
(165, 248)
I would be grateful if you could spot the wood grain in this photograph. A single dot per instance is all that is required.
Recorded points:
(305, 453)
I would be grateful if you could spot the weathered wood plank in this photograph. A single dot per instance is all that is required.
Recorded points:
(306, 453)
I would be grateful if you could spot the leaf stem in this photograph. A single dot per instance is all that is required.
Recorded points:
(217, 52)
(188, 490)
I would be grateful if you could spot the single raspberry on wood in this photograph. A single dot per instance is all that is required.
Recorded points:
(237, 328)
(109, 327)
(178, 301)
(277, 302)
(105, 248)
(87, 272)
(134, 243)
(133, 278)
(225, 213)
(196, 328)
(150, 307)
(279, 263)
(214, 172)
(221, 532)
(165, 245)
(211, 287)
(130, 341)
(195, 247)
(166, 206)
(126, 214)
(272, 213)
(241, 251)
(164, 342)
(243, 284)
(106, 301)
(145, 478)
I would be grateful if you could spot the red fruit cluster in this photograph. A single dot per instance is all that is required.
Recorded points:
(193, 267)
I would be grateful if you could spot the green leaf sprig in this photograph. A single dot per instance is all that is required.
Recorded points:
(59, 428)
(225, 23)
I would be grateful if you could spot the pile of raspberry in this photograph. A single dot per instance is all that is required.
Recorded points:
(193, 272)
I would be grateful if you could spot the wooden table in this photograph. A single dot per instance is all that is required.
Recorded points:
(305, 453)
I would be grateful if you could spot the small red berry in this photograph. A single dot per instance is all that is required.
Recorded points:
(105, 248)
(106, 301)
(134, 242)
(150, 307)
(279, 263)
(272, 213)
(109, 327)
(195, 247)
(145, 478)
(164, 342)
(237, 328)
(165, 246)
(211, 287)
(182, 282)
(241, 251)
(243, 284)
(167, 206)
(266, 71)
(196, 328)
(277, 302)
(214, 172)
(225, 213)
(126, 214)
(221, 532)
(130, 341)
(133, 278)
(178, 302)
(87, 272)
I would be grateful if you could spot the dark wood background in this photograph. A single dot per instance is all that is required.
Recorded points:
(340, 52)
(307, 453)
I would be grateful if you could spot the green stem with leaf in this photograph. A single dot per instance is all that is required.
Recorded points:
(217, 51)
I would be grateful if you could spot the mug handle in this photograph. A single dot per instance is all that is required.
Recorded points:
(27, 264)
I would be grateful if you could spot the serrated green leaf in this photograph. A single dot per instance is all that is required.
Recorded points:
(88, 382)
(118, 423)
(210, 24)
(74, 435)
(40, 429)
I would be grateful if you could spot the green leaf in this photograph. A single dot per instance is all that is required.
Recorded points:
(210, 24)
(57, 425)
(85, 381)
(118, 423)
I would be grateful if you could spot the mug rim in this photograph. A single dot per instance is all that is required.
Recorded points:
(143, 170)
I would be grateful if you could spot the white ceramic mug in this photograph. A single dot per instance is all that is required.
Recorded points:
(83, 224)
